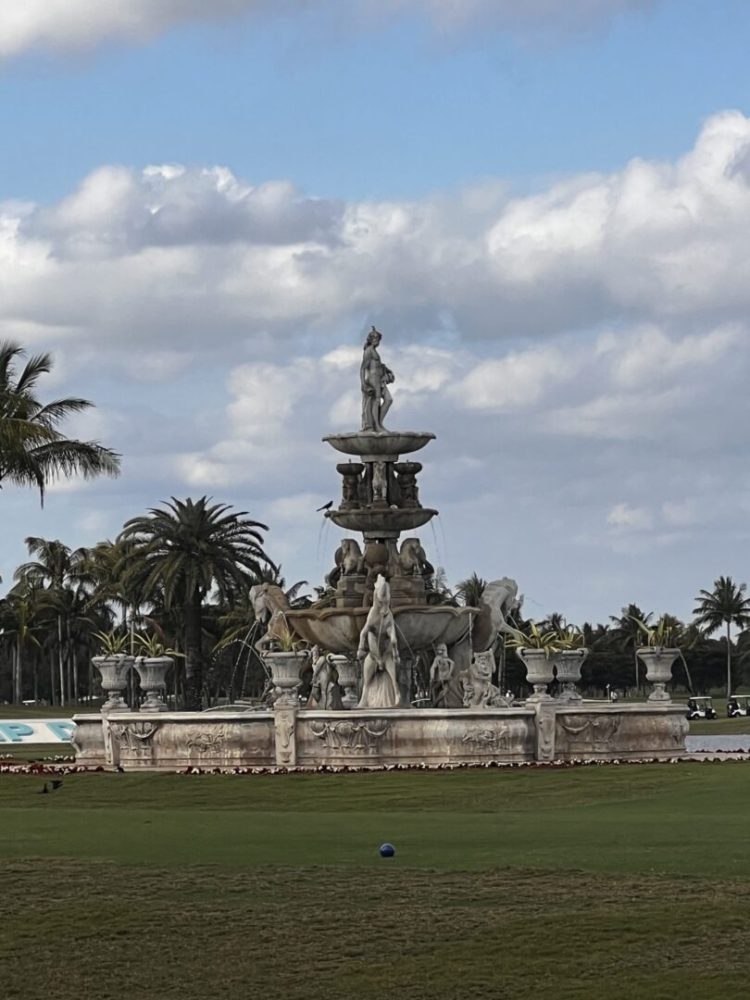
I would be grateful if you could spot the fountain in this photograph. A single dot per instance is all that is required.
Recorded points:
(381, 611)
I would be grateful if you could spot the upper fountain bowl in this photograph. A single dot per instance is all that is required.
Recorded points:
(379, 446)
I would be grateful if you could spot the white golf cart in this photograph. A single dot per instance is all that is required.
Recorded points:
(700, 707)
(737, 705)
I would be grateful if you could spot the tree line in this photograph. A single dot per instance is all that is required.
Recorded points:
(706, 662)
(182, 572)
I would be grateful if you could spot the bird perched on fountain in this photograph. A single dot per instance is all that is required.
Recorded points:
(326, 506)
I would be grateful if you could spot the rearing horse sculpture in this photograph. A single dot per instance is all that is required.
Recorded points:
(270, 605)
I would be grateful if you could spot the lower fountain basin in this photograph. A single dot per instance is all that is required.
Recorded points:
(337, 630)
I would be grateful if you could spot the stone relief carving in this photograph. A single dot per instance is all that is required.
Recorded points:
(487, 739)
(133, 735)
(359, 737)
(593, 733)
(206, 739)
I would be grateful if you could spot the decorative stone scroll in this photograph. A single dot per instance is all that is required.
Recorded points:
(360, 737)
(490, 740)
(590, 734)
(134, 735)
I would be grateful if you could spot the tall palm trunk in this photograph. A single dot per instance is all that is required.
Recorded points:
(729, 661)
(60, 662)
(193, 654)
(17, 674)
(52, 677)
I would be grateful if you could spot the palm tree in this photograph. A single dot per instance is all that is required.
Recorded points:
(33, 451)
(55, 568)
(470, 590)
(19, 624)
(628, 633)
(725, 605)
(187, 549)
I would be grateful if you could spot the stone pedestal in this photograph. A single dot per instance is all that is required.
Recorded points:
(152, 672)
(539, 672)
(114, 674)
(658, 662)
(348, 671)
(568, 670)
(285, 730)
(350, 591)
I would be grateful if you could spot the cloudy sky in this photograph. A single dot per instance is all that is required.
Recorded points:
(545, 207)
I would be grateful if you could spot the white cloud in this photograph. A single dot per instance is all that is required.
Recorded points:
(84, 24)
(582, 355)
(145, 254)
(624, 517)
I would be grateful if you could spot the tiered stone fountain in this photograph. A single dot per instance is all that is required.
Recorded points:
(380, 612)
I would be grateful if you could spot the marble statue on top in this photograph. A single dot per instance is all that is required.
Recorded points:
(375, 378)
(378, 652)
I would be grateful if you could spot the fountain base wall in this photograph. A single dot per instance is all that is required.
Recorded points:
(291, 737)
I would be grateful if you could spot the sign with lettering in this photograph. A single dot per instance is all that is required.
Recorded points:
(36, 731)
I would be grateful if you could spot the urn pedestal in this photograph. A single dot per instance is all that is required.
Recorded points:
(539, 672)
(348, 678)
(114, 673)
(568, 670)
(285, 668)
(152, 672)
(658, 661)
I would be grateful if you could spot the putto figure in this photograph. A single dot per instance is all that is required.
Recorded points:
(375, 378)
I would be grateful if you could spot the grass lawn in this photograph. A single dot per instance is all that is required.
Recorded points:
(574, 883)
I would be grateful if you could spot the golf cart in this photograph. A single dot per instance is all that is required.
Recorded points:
(700, 708)
(738, 704)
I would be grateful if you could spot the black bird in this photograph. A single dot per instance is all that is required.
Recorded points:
(326, 506)
(45, 790)
(56, 783)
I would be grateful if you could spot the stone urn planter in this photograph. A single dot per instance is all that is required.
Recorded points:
(539, 671)
(348, 679)
(114, 673)
(567, 666)
(285, 668)
(658, 661)
(152, 672)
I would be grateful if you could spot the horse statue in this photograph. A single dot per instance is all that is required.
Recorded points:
(500, 601)
(270, 605)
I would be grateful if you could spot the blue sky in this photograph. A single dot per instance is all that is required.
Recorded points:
(545, 213)
(390, 108)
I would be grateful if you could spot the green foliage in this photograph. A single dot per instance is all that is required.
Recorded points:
(112, 643)
(33, 449)
(667, 632)
(535, 638)
(184, 551)
(153, 645)
(469, 591)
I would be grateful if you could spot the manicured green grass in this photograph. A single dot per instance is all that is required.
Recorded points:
(525, 883)
(47, 711)
(720, 726)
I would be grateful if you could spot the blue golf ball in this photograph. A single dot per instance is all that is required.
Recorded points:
(387, 850)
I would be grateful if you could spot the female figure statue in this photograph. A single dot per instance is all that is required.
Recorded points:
(375, 379)
(378, 652)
